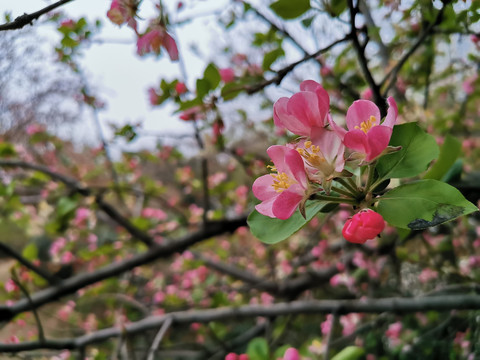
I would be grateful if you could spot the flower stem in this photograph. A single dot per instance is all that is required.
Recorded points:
(348, 185)
(370, 176)
(343, 191)
(334, 199)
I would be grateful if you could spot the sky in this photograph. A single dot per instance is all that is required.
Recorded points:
(119, 76)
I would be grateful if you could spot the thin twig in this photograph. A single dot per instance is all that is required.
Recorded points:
(158, 338)
(394, 305)
(26, 19)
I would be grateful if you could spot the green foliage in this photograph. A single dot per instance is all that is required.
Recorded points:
(449, 152)
(272, 231)
(257, 349)
(350, 353)
(418, 150)
(422, 204)
(288, 9)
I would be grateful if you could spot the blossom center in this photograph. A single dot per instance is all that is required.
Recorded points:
(365, 126)
(281, 181)
(312, 154)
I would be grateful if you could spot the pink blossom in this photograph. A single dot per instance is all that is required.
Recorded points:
(291, 354)
(243, 357)
(349, 323)
(468, 84)
(123, 11)
(304, 111)
(10, 286)
(365, 134)
(326, 326)
(364, 225)
(153, 96)
(282, 193)
(194, 113)
(154, 40)
(34, 129)
(367, 94)
(426, 275)
(227, 75)
(81, 216)
(180, 88)
(157, 214)
(69, 24)
(231, 356)
(323, 156)
(394, 330)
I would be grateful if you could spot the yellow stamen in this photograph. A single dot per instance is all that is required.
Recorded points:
(311, 154)
(367, 125)
(282, 182)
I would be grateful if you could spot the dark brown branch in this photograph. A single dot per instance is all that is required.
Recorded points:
(70, 285)
(340, 307)
(51, 279)
(392, 75)
(362, 59)
(27, 19)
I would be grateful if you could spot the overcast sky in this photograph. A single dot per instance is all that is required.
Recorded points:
(120, 76)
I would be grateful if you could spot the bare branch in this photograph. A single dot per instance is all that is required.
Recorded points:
(26, 19)
(340, 307)
(158, 338)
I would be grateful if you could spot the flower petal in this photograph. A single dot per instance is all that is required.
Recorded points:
(392, 113)
(338, 129)
(287, 202)
(265, 208)
(296, 167)
(284, 120)
(305, 107)
(357, 140)
(378, 138)
(277, 154)
(360, 111)
(262, 188)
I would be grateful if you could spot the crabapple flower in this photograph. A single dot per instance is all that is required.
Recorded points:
(291, 354)
(123, 11)
(180, 88)
(154, 40)
(365, 134)
(282, 192)
(364, 225)
(305, 111)
(227, 75)
(323, 156)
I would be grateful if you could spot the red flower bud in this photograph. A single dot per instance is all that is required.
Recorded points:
(363, 226)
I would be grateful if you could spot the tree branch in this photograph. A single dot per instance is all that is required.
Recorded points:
(26, 19)
(156, 251)
(392, 75)
(340, 307)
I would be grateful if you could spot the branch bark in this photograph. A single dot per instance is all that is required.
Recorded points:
(26, 19)
(340, 307)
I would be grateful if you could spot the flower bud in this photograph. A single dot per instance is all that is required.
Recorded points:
(291, 354)
(363, 226)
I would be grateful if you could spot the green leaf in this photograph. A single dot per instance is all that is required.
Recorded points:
(449, 152)
(418, 150)
(422, 204)
(257, 349)
(232, 90)
(203, 87)
(350, 353)
(272, 231)
(65, 206)
(288, 9)
(271, 57)
(30, 252)
(212, 75)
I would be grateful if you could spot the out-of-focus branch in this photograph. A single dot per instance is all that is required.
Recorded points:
(284, 71)
(392, 75)
(362, 59)
(26, 19)
(51, 279)
(340, 307)
(156, 251)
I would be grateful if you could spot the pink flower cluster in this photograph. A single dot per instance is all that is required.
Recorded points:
(123, 11)
(318, 157)
(155, 39)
